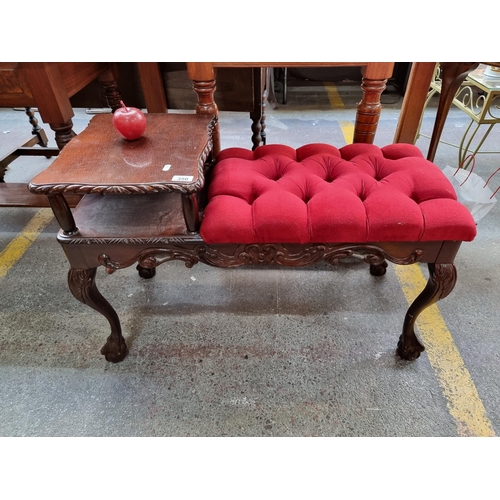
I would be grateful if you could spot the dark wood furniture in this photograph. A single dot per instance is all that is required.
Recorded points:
(158, 176)
(156, 192)
(374, 78)
(203, 75)
(241, 89)
(48, 87)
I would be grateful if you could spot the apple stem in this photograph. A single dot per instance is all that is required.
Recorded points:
(123, 105)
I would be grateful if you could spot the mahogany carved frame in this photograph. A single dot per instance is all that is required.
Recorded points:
(148, 254)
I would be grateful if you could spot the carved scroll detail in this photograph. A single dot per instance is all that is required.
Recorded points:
(295, 255)
(251, 254)
(445, 278)
(151, 258)
(80, 282)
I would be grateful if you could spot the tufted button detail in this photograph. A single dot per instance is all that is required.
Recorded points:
(320, 194)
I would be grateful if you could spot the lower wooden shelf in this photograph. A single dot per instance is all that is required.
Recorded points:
(16, 194)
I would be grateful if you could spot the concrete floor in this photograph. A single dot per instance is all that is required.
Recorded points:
(245, 352)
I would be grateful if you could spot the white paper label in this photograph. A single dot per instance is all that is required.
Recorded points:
(182, 178)
(166, 167)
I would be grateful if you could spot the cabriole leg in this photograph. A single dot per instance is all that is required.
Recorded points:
(82, 285)
(441, 282)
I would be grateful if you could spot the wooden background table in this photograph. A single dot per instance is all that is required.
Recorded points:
(204, 76)
(48, 87)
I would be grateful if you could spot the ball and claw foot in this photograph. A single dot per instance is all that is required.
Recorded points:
(411, 352)
(378, 270)
(146, 272)
(115, 350)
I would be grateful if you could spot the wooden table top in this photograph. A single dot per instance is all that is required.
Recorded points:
(169, 157)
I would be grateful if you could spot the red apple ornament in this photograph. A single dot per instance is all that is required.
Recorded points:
(129, 122)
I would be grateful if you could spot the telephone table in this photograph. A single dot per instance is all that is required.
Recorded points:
(141, 199)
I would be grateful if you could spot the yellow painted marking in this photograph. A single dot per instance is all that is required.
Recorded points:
(464, 403)
(348, 131)
(334, 96)
(18, 246)
(337, 103)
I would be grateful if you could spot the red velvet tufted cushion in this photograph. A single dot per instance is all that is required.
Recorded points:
(321, 194)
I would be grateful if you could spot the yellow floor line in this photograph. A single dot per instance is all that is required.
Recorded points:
(463, 400)
(347, 127)
(18, 246)
(464, 403)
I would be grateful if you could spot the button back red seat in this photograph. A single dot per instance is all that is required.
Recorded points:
(320, 194)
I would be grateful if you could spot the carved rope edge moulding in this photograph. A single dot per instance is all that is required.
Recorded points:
(146, 188)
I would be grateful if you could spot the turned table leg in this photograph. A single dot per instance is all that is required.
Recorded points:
(442, 280)
(64, 133)
(37, 130)
(203, 78)
(368, 111)
(190, 211)
(82, 285)
(62, 213)
(258, 114)
(39, 137)
(111, 91)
